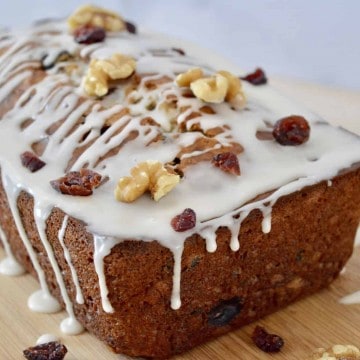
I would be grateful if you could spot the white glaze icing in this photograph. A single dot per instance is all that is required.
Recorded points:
(291, 168)
(9, 266)
(102, 248)
(175, 295)
(45, 338)
(70, 326)
(351, 299)
(42, 302)
(357, 238)
(79, 295)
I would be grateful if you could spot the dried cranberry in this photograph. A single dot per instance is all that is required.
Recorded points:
(226, 311)
(49, 351)
(258, 77)
(291, 130)
(130, 27)
(31, 161)
(89, 34)
(77, 183)
(265, 341)
(179, 51)
(227, 162)
(184, 221)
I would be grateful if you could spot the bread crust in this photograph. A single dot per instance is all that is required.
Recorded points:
(310, 241)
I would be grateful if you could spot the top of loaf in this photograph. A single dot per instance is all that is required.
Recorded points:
(49, 108)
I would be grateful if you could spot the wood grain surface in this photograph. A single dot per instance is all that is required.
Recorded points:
(318, 321)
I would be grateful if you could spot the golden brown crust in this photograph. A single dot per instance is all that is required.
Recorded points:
(267, 273)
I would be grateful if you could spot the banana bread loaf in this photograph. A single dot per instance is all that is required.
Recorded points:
(161, 200)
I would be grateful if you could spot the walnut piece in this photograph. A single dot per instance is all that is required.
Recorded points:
(146, 176)
(223, 86)
(234, 95)
(337, 352)
(211, 89)
(185, 79)
(96, 16)
(100, 72)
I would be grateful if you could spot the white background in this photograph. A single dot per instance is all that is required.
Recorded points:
(315, 40)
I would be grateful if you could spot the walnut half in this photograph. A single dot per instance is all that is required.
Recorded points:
(222, 86)
(146, 176)
(96, 16)
(100, 72)
(211, 89)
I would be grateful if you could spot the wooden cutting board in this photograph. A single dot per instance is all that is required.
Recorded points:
(318, 321)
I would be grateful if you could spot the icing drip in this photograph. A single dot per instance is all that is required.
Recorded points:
(175, 295)
(351, 299)
(42, 300)
(266, 223)
(355, 297)
(235, 230)
(70, 325)
(45, 338)
(357, 238)
(9, 266)
(102, 248)
(61, 235)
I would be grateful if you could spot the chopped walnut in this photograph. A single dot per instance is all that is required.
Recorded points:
(77, 183)
(96, 16)
(117, 67)
(96, 81)
(337, 352)
(234, 95)
(100, 72)
(223, 86)
(185, 79)
(211, 89)
(146, 176)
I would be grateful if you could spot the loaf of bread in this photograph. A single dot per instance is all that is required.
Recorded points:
(159, 197)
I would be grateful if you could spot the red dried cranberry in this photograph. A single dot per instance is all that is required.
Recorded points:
(265, 341)
(179, 51)
(257, 77)
(184, 221)
(292, 130)
(227, 162)
(226, 311)
(31, 161)
(89, 34)
(77, 183)
(49, 351)
(130, 27)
